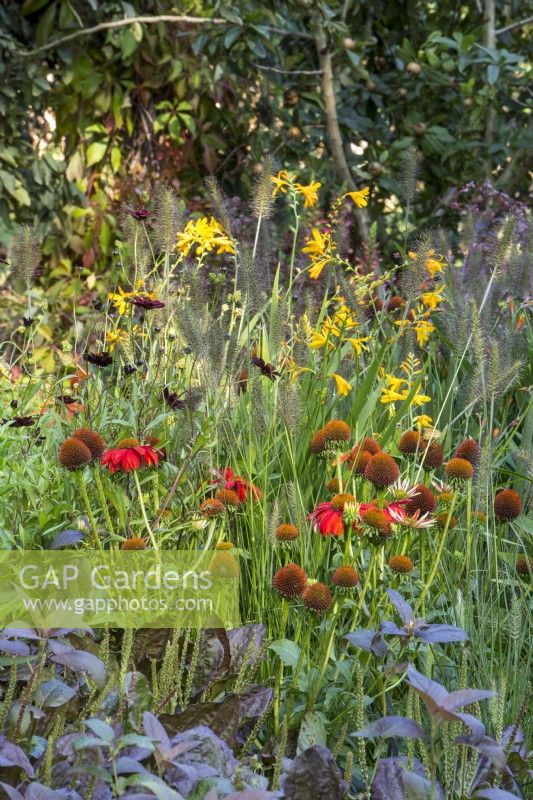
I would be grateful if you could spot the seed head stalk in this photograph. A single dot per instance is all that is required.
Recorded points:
(143, 511)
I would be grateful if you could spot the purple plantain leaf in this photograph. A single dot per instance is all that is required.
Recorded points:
(426, 687)
(155, 731)
(82, 661)
(11, 792)
(391, 629)
(465, 697)
(371, 641)
(315, 774)
(392, 726)
(65, 539)
(14, 648)
(495, 794)
(11, 755)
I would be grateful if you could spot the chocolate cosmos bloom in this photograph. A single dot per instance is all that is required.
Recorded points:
(143, 301)
(102, 359)
(136, 213)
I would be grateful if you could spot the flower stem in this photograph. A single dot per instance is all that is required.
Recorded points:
(143, 510)
(103, 501)
(438, 557)
(88, 509)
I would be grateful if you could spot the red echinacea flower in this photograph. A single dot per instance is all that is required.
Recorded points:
(130, 455)
(328, 517)
(228, 480)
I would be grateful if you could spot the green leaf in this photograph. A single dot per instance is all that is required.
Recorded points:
(95, 152)
(312, 731)
(116, 158)
(287, 650)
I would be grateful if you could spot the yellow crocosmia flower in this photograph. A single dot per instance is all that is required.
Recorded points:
(206, 235)
(434, 263)
(343, 387)
(120, 300)
(432, 299)
(423, 329)
(318, 340)
(358, 344)
(317, 267)
(344, 318)
(420, 399)
(423, 421)
(280, 181)
(310, 193)
(390, 396)
(330, 327)
(394, 383)
(360, 197)
(114, 338)
(295, 370)
(318, 244)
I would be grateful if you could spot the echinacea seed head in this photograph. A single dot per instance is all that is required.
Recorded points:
(423, 501)
(317, 597)
(410, 443)
(442, 519)
(211, 507)
(382, 470)
(224, 546)
(318, 442)
(401, 564)
(395, 304)
(336, 430)
(134, 543)
(290, 581)
(359, 462)
(432, 455)
(345, 577)
(369, 445)
(128, 442)
(524, 566)
(340, 500)
(224, 565)
(507, 505)
(286, 532)
(73, 454)
(333, 486)
(378, 520)
(470, 450)
(92, 440)
(459, 469)
(228, 498)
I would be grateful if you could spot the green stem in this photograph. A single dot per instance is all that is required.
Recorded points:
(143, 510)
(103, 501)
(88, 509)
(438, 557)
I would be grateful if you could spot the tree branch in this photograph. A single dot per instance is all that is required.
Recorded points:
(290, 71)
(121, 23)
(514, 25)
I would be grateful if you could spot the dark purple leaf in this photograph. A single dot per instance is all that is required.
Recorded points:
(371, 641)
(155, 731)
(19, 633)
(487, 746)
(441, 633)
(391, 629)
(12, 793)
(427, 688)
(245, 643)
(14, 648)
(253, 794)
(392, 726)
(402, 606)
(53, 693)
(125, 765)
(315, 774)
(255, 701)
(11, 755)
(82, 661)
(393, 781)
(465, 697)
(66, 538)
(495, 794)
(36, 791)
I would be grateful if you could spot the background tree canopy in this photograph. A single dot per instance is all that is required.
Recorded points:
(90, 118)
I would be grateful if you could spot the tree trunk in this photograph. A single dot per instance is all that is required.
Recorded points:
(489, 40)
(334, 133)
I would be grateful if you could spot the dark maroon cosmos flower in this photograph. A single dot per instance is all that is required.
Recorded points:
(143, 301)
(102, 359)
(136, 213)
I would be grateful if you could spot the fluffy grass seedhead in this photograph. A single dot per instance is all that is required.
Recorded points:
(262, 200)
(25, 256)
